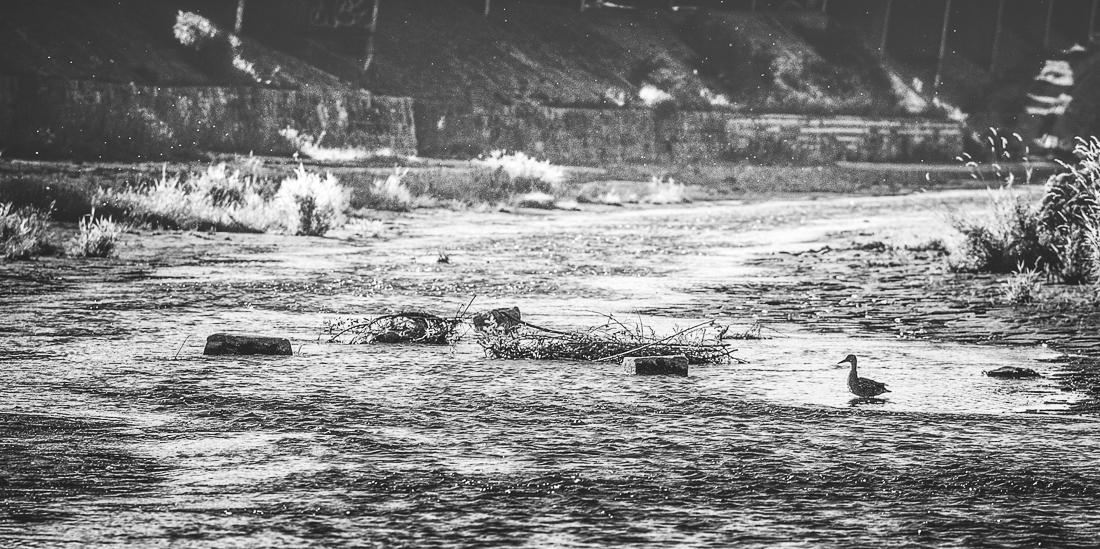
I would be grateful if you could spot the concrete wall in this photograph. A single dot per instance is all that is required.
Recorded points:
(602, 136)
(85, 119)
(82, 119)
(8, 87)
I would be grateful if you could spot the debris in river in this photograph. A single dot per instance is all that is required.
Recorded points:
(1012, 372)
(500, 320)
(228, 344)
(406, 327)
(609, 342)
(676, 365)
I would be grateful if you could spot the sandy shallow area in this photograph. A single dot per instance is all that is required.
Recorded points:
(115, 428)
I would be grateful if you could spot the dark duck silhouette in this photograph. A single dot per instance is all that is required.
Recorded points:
(861, 386)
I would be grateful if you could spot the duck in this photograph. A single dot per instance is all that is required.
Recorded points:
(861, 386)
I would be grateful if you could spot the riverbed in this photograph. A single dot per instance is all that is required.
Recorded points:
(115, 429)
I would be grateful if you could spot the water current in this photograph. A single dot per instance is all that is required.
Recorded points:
(114, 429)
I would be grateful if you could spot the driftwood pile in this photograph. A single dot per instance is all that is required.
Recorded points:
(502, 333)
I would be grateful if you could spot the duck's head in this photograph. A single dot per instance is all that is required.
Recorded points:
(850, 359)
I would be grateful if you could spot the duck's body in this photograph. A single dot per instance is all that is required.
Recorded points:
(861, 386)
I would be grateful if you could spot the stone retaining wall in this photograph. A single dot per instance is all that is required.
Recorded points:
(86, 119)
(50, 117)
(605, 136)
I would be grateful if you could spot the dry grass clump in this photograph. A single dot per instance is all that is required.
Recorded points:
(1069, 216)
(390, 194)
(305, 203)
(95, 237)
(658, 190)
(1023, 286)
(520, 166)
(1059, 236)
(701, 344)
(483, 186)
(407, 327)
(23, 231)
(1007, 235)
(311, 147)
(311, 204)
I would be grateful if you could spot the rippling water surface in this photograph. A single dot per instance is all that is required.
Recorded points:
(114, 428)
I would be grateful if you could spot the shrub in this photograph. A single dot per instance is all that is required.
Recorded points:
(310, 147)
(311, 204)
(1070, 214)
(390, 194)
(524, 170)
(95, 237)
(22, 231)
(210, 200)
(489, 184)
(1023, 286)
(1060, 235)
(1008, 236)
(218, 199)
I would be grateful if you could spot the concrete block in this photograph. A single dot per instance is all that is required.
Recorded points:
(227, 344)
(1012, 372)
(675, 365)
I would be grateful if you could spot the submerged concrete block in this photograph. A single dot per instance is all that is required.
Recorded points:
(674, 365)
(1012, 372)
(227, 344)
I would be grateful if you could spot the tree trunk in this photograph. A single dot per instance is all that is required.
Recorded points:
(369, 57)
(943, 49)
(240, 17)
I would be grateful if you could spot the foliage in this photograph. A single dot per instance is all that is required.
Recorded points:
(1007, 235)
(1070, 214)
(311, 204)
(496, 179)
(1023, 286)
(1060, 235)
(95, 237)
(22, 231)
(521, 167)
(390, 194)
(303, 204)
(312, 148)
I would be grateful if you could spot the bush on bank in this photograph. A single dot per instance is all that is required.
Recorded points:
(1059, 235)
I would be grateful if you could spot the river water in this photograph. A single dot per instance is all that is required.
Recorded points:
(114, 429)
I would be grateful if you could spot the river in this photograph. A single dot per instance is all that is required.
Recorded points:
(114, 429)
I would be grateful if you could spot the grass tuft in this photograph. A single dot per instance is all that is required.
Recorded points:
(1023, 286)
(23, 232)
(311, 204)
(1006, 236)
(95, 237)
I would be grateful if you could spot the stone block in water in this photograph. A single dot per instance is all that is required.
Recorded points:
(228, 344)
(674, 365)
(1012, 372)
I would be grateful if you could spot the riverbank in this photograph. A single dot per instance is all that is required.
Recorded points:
(71, 187)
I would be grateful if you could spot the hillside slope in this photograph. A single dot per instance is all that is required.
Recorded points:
(447, 51)
(135, 41)
(554, 55)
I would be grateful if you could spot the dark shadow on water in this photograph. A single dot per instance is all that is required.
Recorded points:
(863, 401)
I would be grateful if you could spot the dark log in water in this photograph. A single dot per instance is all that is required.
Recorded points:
(227, 344)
